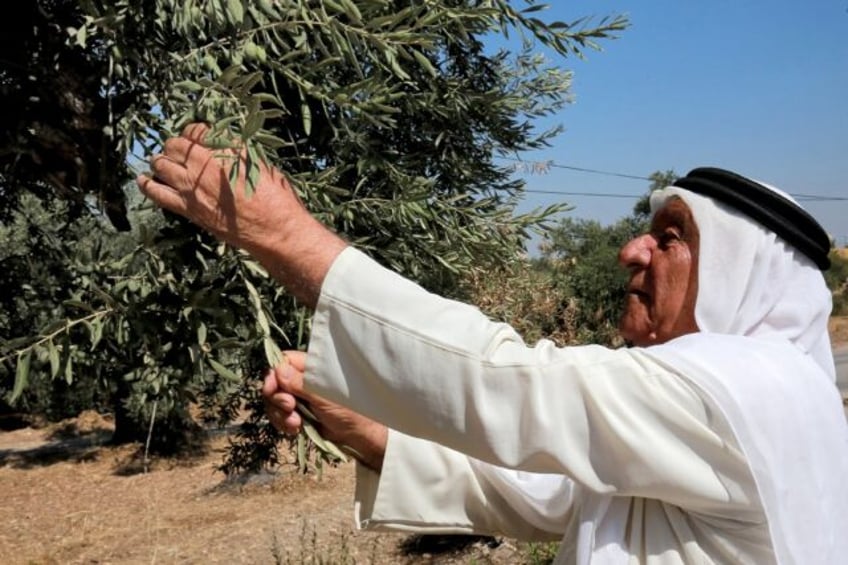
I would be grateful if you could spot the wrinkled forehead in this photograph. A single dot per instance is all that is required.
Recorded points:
(711, 219)
(700, 207)
(673, 210)
(718, 225)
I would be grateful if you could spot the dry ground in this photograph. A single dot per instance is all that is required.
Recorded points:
(68, 499)
(74, 501)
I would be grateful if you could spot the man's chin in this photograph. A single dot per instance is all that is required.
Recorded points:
(634, 336)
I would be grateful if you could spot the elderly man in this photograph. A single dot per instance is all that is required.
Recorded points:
(719, 437)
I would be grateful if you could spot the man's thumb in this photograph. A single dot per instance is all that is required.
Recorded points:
(290, 377)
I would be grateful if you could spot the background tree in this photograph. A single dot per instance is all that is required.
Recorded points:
(581, 256)
(837, 280)
(659, 180)
(388, 116)
(38, 260)
(56, 136)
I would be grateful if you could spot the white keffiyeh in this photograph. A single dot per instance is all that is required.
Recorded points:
(763, 356)
(752, 283)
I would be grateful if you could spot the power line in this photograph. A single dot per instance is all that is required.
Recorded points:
(798, 197)
(599, 172)
(817, 198)
(542, 166)
(602, 194)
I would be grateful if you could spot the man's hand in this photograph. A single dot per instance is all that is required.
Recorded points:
(191, 179)
(283, 390)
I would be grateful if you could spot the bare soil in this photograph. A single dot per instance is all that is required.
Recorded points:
(68, 498)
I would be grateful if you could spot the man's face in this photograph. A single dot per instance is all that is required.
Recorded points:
(663, 265)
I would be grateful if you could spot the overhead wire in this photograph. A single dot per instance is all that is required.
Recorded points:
(542, 165)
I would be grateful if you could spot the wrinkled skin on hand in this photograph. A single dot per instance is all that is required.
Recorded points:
(192, 180)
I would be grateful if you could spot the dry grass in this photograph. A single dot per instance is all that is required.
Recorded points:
(839, 330)
(70, 500)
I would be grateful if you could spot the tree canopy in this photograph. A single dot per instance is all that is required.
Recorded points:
(388, 115)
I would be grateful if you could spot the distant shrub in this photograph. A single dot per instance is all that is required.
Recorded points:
(524, 296)
(837, 280)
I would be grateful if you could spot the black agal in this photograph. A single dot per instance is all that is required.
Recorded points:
(772, 210)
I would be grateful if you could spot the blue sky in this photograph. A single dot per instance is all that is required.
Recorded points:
(755, 86)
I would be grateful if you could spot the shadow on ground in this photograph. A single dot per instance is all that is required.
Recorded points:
(56, 450)
(430, 544)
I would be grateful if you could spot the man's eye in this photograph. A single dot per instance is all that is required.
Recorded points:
(667, 237)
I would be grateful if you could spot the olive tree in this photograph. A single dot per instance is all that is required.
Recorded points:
(387, 115)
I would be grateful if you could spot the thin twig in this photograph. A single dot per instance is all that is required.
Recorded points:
(149, 435)
(47, 337)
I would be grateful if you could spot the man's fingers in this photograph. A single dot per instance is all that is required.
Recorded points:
(196, 132)
(182, 150)
(289, 379)
(297, 359)
(284, 401)
(286, 422)
(275, 398)
(162, 194)
(176, 150)
(171, 172)
(292, 423)
(280, 408)
(269, 384)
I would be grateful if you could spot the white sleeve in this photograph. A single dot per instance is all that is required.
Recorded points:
(426, 488)
(614, 421)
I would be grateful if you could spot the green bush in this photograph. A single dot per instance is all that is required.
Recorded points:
(837, 280)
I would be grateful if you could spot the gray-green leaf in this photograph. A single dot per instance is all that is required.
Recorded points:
(21, 375)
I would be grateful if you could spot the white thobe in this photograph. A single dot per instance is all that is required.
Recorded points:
(616, 452)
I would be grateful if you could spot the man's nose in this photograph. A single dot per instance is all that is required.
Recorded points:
(636, 253)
